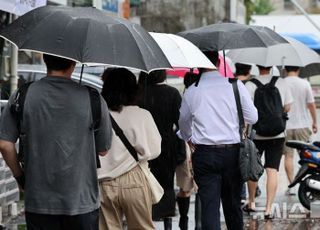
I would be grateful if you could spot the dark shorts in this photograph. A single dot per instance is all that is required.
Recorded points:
(87, 221)
(272, 149)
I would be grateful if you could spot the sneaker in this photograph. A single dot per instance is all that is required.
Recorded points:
(290, 192)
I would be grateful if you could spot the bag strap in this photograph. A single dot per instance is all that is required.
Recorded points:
(18, 104)
(95, 108)
(95, 104)
(239, 108)
(273, 81)
(124, 139)
(256, 82)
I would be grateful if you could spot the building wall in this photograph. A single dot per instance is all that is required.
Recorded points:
(172, 16)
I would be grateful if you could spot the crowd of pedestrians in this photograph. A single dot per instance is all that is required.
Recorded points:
(80, 172)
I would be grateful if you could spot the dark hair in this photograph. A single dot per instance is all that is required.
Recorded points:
(292, 68)
(189, 79)
(242, 69)
(156, 76)
(213, 56)
(260, 67)
(120, 88)
(106, 73)
(57, 63)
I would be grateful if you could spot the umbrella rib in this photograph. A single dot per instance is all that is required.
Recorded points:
(142, 38)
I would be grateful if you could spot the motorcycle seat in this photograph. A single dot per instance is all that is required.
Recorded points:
(303, 145)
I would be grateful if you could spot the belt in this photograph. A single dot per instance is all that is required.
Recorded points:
(222, 146)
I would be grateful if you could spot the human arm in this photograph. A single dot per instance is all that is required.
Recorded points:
(286, 108)
(250, 113)
(288, 98)
(313, 111)
(185, 120)
(145, 137)
(103, 136)
(9, 154)
(9, 134)
(312, 108)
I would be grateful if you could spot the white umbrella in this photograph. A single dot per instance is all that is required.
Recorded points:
(293, 53)
(180, 52)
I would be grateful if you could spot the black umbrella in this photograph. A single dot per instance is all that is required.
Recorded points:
(222, 36)
(86, 35)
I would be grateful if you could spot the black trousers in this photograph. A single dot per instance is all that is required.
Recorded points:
(217, 174)
(87, 221)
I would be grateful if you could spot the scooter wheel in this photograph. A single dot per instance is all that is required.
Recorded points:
(306, 195)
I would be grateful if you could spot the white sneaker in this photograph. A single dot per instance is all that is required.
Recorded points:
(290, 192)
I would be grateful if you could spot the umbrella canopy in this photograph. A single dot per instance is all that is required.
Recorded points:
(180, 52)
(293, 53)
(224, 36)
(180, 72)
(86, 35)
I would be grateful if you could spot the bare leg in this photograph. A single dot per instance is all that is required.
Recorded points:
(252, 192)
(288, 165)
(272, 184)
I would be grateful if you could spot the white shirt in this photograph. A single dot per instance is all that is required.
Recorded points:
(140, 129)
(208, 113)
(299, 116)
(285, 94)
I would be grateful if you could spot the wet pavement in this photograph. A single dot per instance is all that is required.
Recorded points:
(289, 213)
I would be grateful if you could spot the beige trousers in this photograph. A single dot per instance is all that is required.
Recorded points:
(128, 196)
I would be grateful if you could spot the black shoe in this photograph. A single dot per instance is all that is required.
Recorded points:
(183, 206)
(247, 209)
(268, 216)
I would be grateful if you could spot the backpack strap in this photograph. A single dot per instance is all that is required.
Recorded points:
(256, 82)
(95, 104)
(273, 81)
(18, 104)
(16, 110)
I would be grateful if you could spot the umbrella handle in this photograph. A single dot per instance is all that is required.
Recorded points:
(224, 62)
(82, 67)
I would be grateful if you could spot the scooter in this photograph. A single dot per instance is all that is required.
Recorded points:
(308, 175)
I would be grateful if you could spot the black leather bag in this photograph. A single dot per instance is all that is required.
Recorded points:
(250, 164)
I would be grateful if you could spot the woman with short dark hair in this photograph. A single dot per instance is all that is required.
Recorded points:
(125, 190)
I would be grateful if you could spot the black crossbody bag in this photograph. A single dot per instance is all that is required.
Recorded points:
(250, 164)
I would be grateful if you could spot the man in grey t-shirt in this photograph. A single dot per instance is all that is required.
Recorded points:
(61, 187)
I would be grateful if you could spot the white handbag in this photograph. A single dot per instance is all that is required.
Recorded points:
(155, 187)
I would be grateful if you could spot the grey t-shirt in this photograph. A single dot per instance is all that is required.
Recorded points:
(60, 160)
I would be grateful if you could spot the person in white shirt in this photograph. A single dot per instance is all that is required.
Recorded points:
(299, 124)
(125, 190)
(209, 122)
(271, 146)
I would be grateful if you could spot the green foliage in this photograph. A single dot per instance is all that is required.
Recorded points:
(250, 9)
(262, 7)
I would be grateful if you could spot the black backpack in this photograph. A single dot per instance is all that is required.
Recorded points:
(17, 111)
(271, 116)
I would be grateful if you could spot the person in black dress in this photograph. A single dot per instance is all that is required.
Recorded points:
(163, 102)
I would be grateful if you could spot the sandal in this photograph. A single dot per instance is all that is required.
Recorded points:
(268, 216)
(247, 209)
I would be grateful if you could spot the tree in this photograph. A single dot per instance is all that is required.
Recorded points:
(262, 7)
(250, 9)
